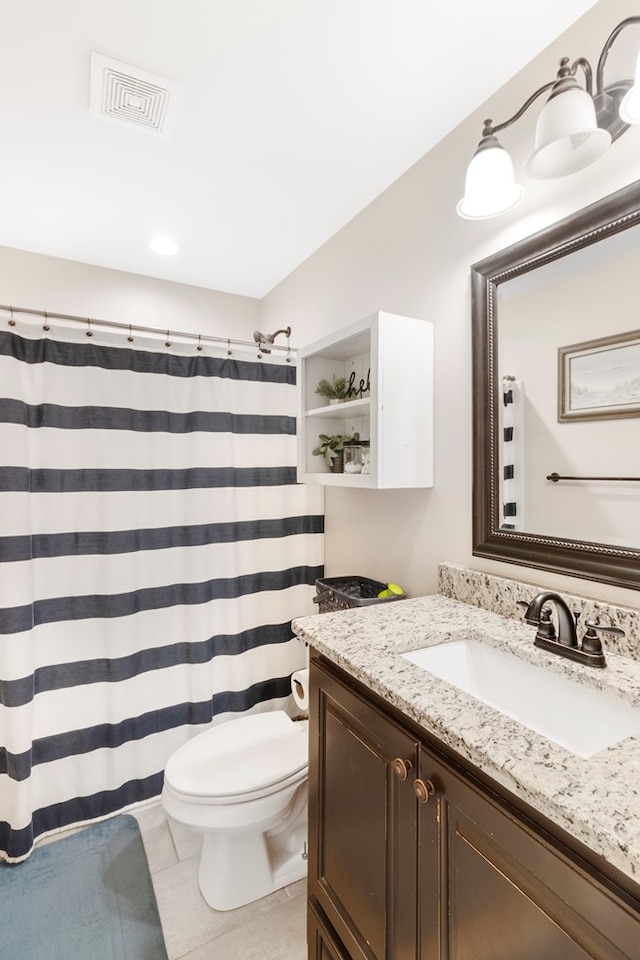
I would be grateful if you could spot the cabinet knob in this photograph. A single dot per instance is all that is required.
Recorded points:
(402, 768)
(423, 790)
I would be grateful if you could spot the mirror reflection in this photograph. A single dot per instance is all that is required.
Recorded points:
(569, 395)
(555, 328)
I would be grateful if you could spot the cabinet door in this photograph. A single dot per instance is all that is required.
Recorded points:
(322, 941)
(506, 891)
(362, 822)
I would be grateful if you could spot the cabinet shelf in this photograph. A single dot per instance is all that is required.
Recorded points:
(356, 480)
(338, 411)
(394, 356)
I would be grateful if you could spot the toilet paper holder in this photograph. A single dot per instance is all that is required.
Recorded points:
(300, 688)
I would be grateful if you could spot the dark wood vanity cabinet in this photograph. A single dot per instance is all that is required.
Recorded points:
(504, 889)
(363, 816)
(412, 858)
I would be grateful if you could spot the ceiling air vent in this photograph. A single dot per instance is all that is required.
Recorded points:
(126, 95)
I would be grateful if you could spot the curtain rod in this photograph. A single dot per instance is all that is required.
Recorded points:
(264, 344)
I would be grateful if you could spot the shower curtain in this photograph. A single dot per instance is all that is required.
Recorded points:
(154, 547)
(513, 449)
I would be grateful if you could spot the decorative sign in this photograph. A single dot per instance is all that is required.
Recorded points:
(363, 387)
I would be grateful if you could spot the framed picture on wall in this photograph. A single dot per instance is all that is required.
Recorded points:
(600, 379)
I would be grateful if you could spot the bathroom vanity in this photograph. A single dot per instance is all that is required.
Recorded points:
(439, 827)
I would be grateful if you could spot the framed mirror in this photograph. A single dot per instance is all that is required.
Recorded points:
(556, 396)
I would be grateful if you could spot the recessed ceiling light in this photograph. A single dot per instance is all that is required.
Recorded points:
(164, 245)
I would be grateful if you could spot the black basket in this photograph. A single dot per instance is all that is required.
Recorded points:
(341, 593)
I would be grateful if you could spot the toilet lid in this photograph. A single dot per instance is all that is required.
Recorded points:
(240, 757)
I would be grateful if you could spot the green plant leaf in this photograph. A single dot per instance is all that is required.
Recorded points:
(337, 389)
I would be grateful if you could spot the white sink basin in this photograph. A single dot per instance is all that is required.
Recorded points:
(577, 717)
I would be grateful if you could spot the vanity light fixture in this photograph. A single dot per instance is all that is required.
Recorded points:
(575, 127)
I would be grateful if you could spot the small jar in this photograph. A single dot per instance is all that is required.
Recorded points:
(352, 456)
(365, 447)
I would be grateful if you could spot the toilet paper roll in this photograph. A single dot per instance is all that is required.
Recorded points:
(300, 688)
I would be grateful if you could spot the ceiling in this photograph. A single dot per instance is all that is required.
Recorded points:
(290, 116)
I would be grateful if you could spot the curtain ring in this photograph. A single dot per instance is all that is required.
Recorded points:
(89, 331)
(12, 322)
(46, 322)
(288, 356)
(130, 337)
(199, 347)
(167, 342)
(229, 352)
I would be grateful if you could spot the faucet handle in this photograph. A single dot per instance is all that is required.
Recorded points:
(605, 628)
(591, 641)
(543, 615)
(527, 604)
(527, 607)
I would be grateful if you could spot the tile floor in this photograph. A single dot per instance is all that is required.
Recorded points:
(273, 928)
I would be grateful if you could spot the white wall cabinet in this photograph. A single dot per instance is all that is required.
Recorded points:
(395, 355)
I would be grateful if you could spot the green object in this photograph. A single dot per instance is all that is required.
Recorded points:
(329, 447)
(391, 590)
(337, 389)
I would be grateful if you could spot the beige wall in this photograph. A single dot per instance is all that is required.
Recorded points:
(36, 282)
(409, 253)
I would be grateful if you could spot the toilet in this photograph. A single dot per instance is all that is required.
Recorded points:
(243, 784)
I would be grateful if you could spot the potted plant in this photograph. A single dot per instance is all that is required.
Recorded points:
(335, 390)
(331, 448)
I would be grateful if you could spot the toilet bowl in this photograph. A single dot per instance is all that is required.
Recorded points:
(243, 784)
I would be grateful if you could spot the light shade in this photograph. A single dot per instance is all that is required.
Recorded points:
(567, 134)
(490, 187)
(630, 106)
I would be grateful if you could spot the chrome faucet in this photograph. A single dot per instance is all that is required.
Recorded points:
(566, 644)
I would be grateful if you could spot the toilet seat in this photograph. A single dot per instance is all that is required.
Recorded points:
(244, 759)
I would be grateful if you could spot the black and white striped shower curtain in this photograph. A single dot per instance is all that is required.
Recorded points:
(512, 458)
(154, 547)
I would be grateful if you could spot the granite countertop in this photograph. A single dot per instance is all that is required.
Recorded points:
(596, 800)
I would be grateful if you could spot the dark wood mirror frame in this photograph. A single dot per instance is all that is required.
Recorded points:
(578, 558)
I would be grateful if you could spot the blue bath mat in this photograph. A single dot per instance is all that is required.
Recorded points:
(85, 897)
